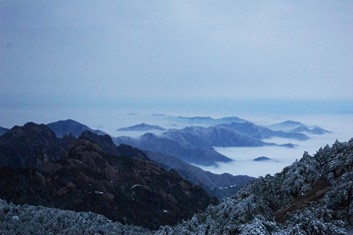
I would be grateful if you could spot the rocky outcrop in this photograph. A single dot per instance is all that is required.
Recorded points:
(29, 146)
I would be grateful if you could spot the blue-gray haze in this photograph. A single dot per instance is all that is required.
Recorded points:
(61, 55)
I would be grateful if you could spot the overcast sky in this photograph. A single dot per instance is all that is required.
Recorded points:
(55, 53)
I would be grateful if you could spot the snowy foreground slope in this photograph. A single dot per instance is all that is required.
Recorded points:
(312, 196)
(17, 219)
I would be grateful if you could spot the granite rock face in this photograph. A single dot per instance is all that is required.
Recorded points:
(29, 146)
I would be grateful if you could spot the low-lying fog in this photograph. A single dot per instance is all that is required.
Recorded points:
(244, 164)
(341, 126)
(280, 157)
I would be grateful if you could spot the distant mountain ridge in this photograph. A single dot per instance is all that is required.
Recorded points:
(153, 143)
(195, 144)
(219, 136)
(70, 126)
(205, 120)
(298, 127)
(260, 132)
(142, 127)
(262, 158)
(220, 186)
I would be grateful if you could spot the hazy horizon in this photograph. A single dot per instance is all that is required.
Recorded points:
(193, 56)
(103, 114)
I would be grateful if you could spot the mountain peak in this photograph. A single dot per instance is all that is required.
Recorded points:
(31, 145)
(298, 127)
(69, 126)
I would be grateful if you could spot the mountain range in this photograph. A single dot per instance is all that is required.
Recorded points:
(142, 127)
(261, 133)
(175, 149)
(219, 186)
(61, 167)
(311, 196)
(298, 127)
(195, 144)
(153, 143)
(204, 120)
(92, 174)
(214, 184)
